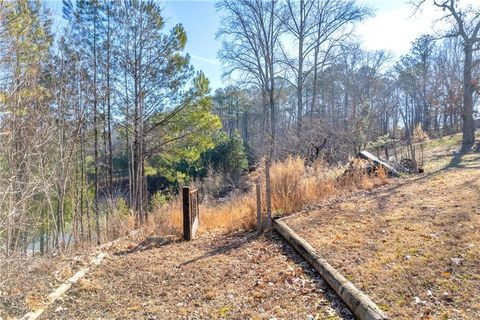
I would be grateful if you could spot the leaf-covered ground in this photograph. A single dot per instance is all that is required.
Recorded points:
(412, 246)
(26, 281)
(241, 276)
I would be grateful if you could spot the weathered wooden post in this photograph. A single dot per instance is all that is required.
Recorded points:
(186, 213)
(191, 217)
(259, 208)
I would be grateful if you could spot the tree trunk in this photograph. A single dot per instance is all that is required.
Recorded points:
(109, 110)
(300, 75)
(314, 84)
(268, 192)
(468, 90)
(273, 120)
(42, 231)
(95, 134)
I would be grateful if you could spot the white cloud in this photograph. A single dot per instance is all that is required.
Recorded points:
(395, 28)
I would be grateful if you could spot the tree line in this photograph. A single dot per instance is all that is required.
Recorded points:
(301, 76)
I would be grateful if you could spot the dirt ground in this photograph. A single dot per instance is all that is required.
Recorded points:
(241, 276)
(413, 246)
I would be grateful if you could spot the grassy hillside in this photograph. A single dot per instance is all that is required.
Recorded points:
(413, 246)
(440, 153)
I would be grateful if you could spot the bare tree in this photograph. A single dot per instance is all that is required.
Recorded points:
(465, 23)
(449, 80)
(316, 27)
(251, 33)
(301, 26)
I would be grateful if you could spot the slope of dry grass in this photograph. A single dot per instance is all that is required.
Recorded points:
(413, 246)
(438, 153)
(25, 282)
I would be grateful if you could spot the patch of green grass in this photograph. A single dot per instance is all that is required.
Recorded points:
(384, 307)
(464, 276)
(413, 251)
(440, 154)
(445, 142)
(400, 300)
(224, 311)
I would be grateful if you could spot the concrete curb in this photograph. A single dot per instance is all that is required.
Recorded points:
(359, 303)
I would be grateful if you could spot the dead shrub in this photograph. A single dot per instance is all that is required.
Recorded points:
(236, 213)
(288, 184)
(168, 218)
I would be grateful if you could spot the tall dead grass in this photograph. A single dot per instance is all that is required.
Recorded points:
(236, 213)
(293, 185)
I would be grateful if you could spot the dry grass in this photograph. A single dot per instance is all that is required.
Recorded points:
(238, 276)
(293, 185)
(119, 225)
(25, 282)
(413, 246)
(437, 153)
(237, 213)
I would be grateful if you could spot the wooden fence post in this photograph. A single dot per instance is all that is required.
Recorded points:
(186, 213)
(268, 192)
(259, 208)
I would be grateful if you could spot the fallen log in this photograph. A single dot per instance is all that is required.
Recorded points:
(365, 155)
(359, 303)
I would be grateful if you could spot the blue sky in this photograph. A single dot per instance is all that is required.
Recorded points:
(392, 28)
(201, 22)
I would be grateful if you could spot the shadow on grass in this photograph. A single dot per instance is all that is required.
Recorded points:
(227, 245)
(147, 244)
(459, 161)
(456, 160)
